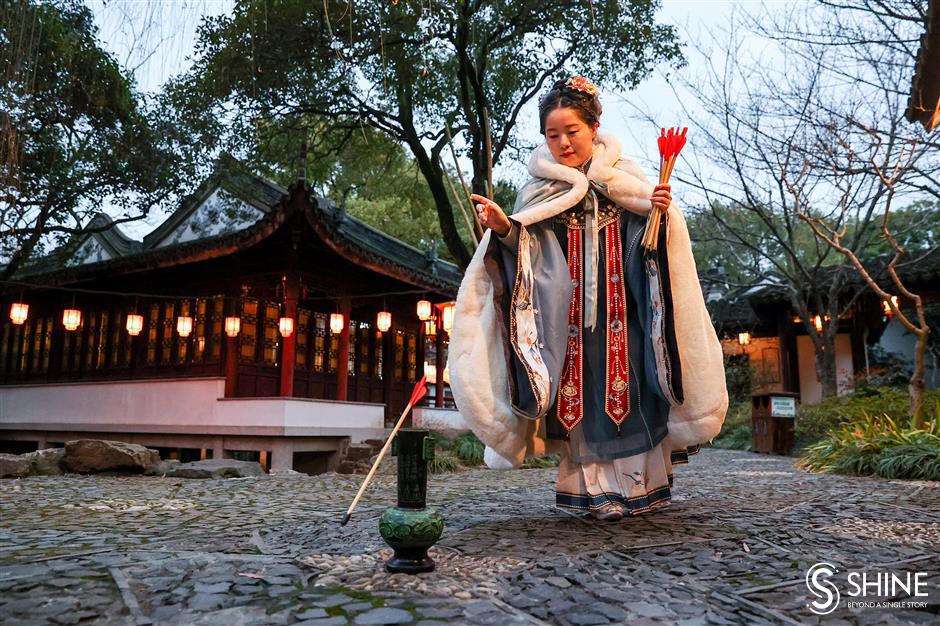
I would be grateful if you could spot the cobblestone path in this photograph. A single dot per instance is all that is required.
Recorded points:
(733, 547)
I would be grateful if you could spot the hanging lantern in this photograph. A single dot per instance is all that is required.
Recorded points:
(232, 326)
(19, 312)
(384, 321)
(744, 338)
(184, 325)
(448, 312)
(887, 306)
(286, 326)
(817, 322)
(430, 329)
(71, 319)
(336, 323)
(135, 324)
(424, 309)
(430, 373)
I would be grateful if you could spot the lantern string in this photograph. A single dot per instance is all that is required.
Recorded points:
(164, 296)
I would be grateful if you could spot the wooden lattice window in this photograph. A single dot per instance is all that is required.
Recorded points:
(217, 309)
(117, 330)
(169, 328)
(319, 341)
(399, 353)
(47, 343)
(302, 332)
(153, 331)
(271, 337)
(351, 354)
(199, 330)
(365, 329)
(26, 332)
(38, 344)
(412, 355)
(249, 329)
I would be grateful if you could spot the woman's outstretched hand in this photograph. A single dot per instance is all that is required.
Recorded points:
(491, 216)
(661, 197)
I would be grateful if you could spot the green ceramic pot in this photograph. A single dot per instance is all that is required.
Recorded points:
(410, 532)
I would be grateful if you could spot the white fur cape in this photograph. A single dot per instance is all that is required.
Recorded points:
(478, 367)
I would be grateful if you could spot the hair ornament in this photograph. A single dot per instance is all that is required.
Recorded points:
(580, 83)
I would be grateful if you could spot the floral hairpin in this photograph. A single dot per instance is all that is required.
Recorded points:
(580, 83)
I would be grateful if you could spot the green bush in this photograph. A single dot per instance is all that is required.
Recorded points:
(469, 449)
(814, 421)
(878, 446)
(444, 463)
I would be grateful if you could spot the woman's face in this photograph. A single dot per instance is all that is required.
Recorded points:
(570, 140)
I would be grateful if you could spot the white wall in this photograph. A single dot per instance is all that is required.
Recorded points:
(810, 388)
(193, 406)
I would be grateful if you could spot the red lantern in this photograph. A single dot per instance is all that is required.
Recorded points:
(448, 315)
(19, 312)
(135, 324)
(424, 310)
(336, 323)
(384, 321)
(286, 326)
(71, 319)
(232, 326)
(184, 325)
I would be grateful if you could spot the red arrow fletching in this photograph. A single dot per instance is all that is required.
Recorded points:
(419, 390)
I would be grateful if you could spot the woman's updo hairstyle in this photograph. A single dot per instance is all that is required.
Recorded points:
(577, 93)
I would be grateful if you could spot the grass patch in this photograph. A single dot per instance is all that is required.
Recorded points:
(877, 446)
(541, 462)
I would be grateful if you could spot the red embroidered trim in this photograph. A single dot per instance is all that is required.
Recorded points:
(617, 400)
(570, 408)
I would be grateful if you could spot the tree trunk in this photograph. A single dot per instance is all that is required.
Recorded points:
(826, 368)
(917, 380)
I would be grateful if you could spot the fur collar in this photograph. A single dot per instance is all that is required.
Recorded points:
(618, 178)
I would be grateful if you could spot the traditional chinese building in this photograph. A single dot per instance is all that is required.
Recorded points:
(757, 325)
(151, 359)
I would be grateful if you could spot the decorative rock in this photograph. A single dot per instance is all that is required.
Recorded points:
(46, 462)
(384, 615)
(160, 468)
(14, 466)
(87, 456)
(216, 468)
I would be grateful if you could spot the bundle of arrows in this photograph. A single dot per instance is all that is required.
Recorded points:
(670, 144)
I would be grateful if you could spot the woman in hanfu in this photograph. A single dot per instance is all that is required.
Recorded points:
(569, 337)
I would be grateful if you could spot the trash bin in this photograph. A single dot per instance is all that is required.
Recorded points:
(772, 418)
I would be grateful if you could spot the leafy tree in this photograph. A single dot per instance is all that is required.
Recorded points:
(409, 70)
(73, 132)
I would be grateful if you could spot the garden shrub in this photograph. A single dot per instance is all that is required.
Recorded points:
(878, 445)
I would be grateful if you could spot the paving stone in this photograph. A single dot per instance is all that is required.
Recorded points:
(226, 546)
(586, 619)
(336, 620)
(383, 615)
